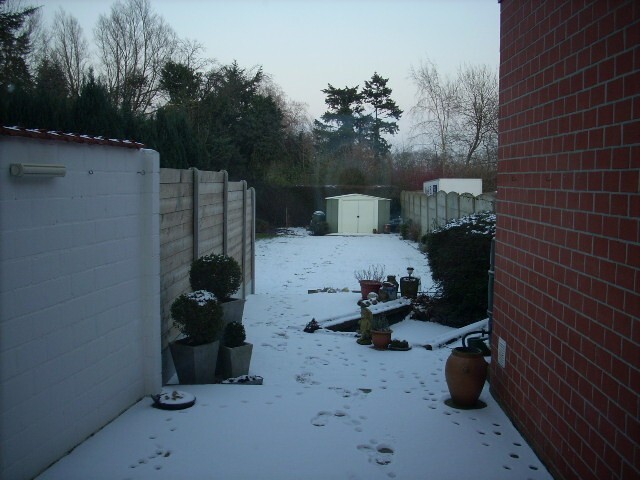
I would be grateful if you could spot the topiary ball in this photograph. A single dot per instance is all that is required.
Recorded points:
(234, 335)
(217, 273)
(198, 316)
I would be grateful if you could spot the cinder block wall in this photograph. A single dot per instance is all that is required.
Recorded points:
(79, 296)
(567, 281)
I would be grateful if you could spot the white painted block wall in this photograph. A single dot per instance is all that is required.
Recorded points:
(79, 296)
(458, 185)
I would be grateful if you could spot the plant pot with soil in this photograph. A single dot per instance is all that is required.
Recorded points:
(198, 316)
(380, 332)
(220, 274)
(370, 279)
(235, 352)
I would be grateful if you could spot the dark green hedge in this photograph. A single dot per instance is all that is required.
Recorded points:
(458, 255)
(293, 206)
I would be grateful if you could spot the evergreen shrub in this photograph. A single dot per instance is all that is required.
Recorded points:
(410, 230)
(262, 226)
(458, 255)
(198, 316)
(217, 273)
(234, 335)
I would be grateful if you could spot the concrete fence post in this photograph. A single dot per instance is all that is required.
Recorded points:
(244, 237)
(225, 213)
(196, 213)
(253, 240)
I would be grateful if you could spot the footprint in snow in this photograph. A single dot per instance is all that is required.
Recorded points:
(381, 454)
(316, 361)
(323, 417)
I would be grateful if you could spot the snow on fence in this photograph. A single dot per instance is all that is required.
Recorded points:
(201, 212)
(430, 211)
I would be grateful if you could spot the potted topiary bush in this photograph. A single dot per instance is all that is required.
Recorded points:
(221, 275)
(235, 352)
(198, 316)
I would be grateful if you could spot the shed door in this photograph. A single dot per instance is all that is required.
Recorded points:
(356, 217)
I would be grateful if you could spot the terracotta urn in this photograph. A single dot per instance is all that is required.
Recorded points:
(465, 372)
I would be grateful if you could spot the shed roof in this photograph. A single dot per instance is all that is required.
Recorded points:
(353, 195)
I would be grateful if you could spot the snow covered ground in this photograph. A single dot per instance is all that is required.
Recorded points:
(329, 408)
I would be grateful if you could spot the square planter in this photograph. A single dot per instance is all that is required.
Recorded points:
(235, 361)
(232, 310)
(195, 365)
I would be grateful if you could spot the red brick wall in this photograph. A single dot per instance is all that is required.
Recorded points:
(567, 280)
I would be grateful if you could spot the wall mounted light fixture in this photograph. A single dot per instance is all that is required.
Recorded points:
(37, 170)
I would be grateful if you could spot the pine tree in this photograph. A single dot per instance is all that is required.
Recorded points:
(15, 45)
(385, 112)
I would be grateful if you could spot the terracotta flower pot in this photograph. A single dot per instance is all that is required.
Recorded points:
(381, 339)
(465, 372)
(368, 286)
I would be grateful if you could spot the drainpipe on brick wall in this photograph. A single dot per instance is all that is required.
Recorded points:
(492, 272)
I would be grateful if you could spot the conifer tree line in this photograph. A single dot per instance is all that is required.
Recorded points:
(146, 84)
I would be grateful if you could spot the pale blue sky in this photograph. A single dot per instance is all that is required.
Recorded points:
(306, 44)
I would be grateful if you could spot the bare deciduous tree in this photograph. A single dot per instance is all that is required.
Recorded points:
(133, 44)
(295, 114)
(70, 50)
(437, 100)
(477, 109)
(190, 53)
(459, 116)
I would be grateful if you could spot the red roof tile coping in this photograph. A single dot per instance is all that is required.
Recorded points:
(43, 134)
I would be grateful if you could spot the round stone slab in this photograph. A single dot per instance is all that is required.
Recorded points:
(173, 400)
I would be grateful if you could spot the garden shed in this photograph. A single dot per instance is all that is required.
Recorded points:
(356, 213)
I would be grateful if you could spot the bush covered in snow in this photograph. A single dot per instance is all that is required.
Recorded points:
(198, 316)
(458, 255)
